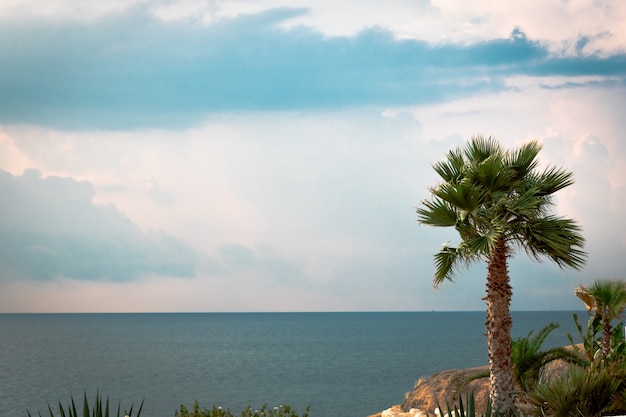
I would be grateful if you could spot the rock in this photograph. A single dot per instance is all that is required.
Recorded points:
(396, 411)
(451, 385)
(448, 385)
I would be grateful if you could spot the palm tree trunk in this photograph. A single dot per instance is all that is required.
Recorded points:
(498, 324)
(606, 336)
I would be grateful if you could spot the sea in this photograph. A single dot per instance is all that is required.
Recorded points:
(346, 364)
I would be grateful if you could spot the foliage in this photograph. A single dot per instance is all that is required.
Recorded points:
(589, 392)
(529, 360)
(602, 343)
(489, 193)
(468, 409)
(97, 410)
(264, 411)
(589, 338)
(498, 201)
(605, 300)
(594, 389)
(608, 297)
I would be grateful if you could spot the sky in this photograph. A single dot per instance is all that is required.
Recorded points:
(231, 156)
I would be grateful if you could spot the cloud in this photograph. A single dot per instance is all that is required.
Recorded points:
(50, 228)
(565, 28)
(582, 130)
(316, 208)
(130, 69)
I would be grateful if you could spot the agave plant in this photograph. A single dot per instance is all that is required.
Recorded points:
(97, 409)
(468, 409)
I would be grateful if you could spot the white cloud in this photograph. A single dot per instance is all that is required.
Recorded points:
(560, 25)
(294, 210)
(327, 198)
(570, 27)
(50, 228)
(582, 130)
(66, 9)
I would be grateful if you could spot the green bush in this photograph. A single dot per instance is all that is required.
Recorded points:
(593, 388)
(264, 411)
(97, 410)
(589, 392)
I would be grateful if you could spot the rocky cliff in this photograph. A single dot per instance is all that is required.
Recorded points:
(449, 385)
(439, 387)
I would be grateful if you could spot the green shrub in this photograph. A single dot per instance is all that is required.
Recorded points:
(588, 392)
(529, 360)
(590, 338)
(97, 410)
(264, 411)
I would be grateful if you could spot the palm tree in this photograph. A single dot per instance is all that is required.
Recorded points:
(529, 361)
(607, 300)
(497, 202)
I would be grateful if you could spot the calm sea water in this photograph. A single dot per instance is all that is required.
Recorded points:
(349, 364)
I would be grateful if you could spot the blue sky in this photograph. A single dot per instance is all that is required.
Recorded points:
(268, 156)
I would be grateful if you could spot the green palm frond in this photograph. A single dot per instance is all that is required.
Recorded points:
(529, 360)
(488, 193)
(437, 213)
(480, 148)
(609, 296)
(449, 261)
(467, 227)
(557, 238)
(524, 206)
(491, 174)
(451, 168)
(446, 264)
(524, 159)
(530, 373)
(460, 195)
(526, 349)
(483, 244)
(563, 354)
(552, 180)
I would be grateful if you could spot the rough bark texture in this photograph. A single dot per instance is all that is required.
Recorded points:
(498, 324)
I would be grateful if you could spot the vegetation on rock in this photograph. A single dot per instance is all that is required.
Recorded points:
(264, 411)
(572, 381)
(599, 387)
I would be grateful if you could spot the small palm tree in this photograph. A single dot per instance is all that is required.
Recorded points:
(606, 300)
(497, 202)
(529, 360)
